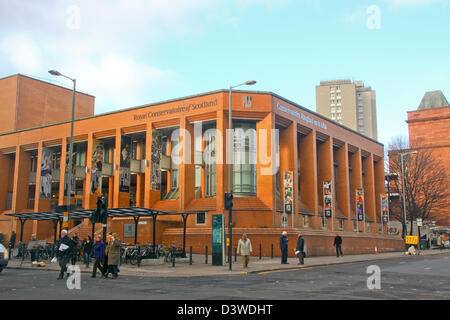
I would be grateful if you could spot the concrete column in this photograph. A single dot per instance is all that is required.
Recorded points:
(369, 191)
(62, 172)
(221, 166)
(325, 173)
(308, 176)
(87, 182)
(343, 201)
(288, 162)
(266, 168)
(379, 188)
(139, 177)
(21, 180)
(4, 173)
(148, 157)
(186, 167)
(356, 164)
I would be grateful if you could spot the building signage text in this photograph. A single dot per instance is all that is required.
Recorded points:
(302, 116)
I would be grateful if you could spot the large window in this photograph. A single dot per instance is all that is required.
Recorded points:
(210, 163)
(244, 168)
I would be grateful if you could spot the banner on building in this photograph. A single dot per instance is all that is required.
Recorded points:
(45, 190)
(155, 168)
(74, 170)
(125, 161)
(385, 208)
(327, 199)
(288, 192)
(96, 167)
(360, 204)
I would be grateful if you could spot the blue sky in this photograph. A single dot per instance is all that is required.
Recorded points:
(134, 52)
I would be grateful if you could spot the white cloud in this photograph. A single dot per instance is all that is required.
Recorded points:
(411, 3)
(22, 53)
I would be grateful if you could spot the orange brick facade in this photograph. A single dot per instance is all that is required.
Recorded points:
(312, 147)
(430, 129)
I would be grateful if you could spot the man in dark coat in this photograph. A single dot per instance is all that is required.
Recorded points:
(284, 247)
(338, 245)
(99, 254)
(64, 252)
(300, 249)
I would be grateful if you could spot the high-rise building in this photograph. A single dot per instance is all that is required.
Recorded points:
(350, 104)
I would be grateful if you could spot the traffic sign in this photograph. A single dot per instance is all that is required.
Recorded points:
(412, 240)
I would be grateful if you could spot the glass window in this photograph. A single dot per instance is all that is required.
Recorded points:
(244, 168)
(305, 221)
(200, 218)
(210, 162)
(341, 224)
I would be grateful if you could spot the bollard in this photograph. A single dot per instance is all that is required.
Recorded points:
(235, 254)
(271, 253)
(173, 257)
(206, 255)
(190, 255)
(260, 251)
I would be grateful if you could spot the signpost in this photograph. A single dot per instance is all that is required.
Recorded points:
(218, 243)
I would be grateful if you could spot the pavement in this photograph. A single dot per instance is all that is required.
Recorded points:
(200, 269)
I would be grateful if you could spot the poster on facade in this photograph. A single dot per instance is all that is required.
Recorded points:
(155, 169)
(288, 192)
(385, 208)
(218, 239)
(96, 167)
(125, 161)
(74, 170)
(327, 199)
(45, 190)
(360, 204)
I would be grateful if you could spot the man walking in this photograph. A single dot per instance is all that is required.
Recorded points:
(63, 253)
(338, 245)
(300, 249)
(284, 247)
(244, 249)
(99, 254)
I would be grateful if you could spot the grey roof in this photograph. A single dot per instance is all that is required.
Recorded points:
(433, 99)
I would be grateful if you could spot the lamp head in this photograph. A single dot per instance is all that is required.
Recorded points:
(54, 73)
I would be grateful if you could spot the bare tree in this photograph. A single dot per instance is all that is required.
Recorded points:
(426, 182)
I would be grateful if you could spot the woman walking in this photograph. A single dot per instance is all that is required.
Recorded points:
(113, 253)
(99, 254)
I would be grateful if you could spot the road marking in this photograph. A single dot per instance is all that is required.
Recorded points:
(285, 270)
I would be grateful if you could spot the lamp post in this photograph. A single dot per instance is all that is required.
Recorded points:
(69, 178)
(403, 191)
(230, 189)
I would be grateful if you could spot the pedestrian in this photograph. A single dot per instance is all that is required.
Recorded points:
(300, 249)
(244, 249)
(12, 243)
(113, 253)
(440, 242)
(32, 247)
(284, 247)
(75, 249)
(99, 253)
(87, 250)
(65, 247)
(338, 245)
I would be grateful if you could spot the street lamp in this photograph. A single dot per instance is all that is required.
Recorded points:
(69, 178)
(230, 189)
(403, 191)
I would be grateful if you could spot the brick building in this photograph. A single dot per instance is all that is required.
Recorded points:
(429, 127)
(133, 157)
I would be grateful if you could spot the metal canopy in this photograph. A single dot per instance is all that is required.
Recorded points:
(84, 214)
